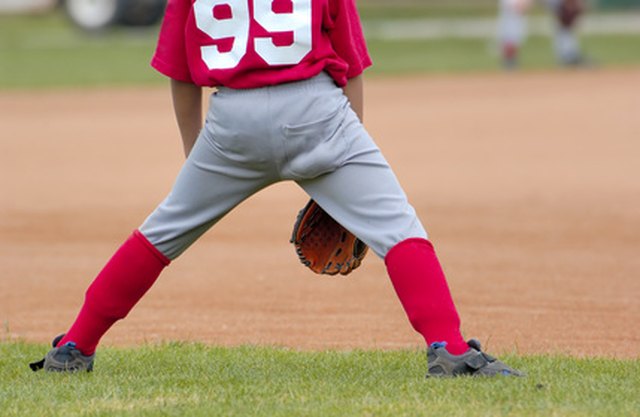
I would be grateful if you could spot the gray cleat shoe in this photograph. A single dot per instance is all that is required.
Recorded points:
(64, 358)
(473, 362)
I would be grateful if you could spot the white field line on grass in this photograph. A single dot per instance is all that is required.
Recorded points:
(474, 28)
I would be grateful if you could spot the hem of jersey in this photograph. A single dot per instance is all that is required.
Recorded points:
(353, 72)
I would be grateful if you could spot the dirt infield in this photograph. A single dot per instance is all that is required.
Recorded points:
(529, 185)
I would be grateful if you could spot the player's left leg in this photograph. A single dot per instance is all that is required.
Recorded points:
(213, 180)
(124, 280)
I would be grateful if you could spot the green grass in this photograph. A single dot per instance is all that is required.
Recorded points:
(46, 51)
(195, 380)
(385, 9)
(473, 55)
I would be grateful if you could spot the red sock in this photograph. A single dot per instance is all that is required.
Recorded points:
(509, 51)
(122, 282)
(420, 283)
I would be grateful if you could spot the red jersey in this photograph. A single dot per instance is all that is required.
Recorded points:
(256, 43)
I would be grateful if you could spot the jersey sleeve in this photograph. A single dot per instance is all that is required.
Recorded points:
(347, 37)
(170, 57)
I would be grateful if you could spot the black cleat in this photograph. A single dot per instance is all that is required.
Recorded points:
(473, 362)
(65, 358)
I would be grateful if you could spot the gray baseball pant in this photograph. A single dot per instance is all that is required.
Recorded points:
(303, 131)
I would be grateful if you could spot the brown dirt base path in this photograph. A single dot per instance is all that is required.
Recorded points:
(529, 185)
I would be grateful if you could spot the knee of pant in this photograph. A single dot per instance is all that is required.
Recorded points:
(395, 250)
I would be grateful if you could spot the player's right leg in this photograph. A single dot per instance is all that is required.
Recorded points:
(364, 196)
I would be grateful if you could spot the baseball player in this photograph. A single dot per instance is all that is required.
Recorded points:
(566, 44)
(512, 30)
(288, 106)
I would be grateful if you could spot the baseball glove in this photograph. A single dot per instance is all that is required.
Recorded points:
(323, 244)
(568, 12)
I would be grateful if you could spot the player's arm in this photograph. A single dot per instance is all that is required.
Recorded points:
(347, 40)
(187, 105)
(354, 90)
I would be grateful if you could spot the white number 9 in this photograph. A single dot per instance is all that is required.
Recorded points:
(237, 27)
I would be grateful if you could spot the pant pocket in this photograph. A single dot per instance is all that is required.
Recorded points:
(316, 147)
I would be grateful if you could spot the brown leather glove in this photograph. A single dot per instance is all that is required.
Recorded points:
(323, 244)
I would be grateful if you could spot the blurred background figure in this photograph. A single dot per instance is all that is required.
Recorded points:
(512, 30)
(566, 44)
